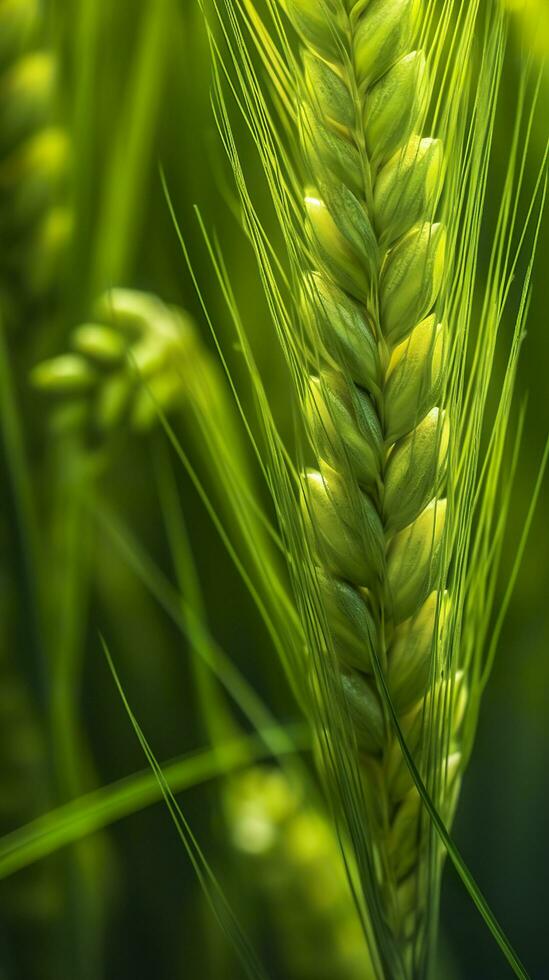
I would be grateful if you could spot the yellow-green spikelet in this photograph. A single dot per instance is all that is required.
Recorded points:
(375, 505)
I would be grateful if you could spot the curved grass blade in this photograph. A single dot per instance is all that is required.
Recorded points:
(103, 807)
(185, 618)
(210, 885)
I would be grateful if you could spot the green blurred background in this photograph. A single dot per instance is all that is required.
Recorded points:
(133, 95)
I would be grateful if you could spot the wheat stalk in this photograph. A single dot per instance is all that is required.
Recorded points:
(34, 900)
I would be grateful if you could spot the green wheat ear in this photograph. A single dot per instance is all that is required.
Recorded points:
(375, 505)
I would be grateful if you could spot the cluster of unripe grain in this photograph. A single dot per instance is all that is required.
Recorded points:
(375, 505)
(126, 366)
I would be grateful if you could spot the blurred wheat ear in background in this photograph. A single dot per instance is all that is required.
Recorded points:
(35, 155)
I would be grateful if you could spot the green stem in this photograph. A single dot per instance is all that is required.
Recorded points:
(23, 502)
(70, 556)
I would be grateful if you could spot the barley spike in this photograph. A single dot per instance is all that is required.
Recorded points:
(375, 504)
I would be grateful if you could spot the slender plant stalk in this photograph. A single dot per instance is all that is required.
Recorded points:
(34, 900)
